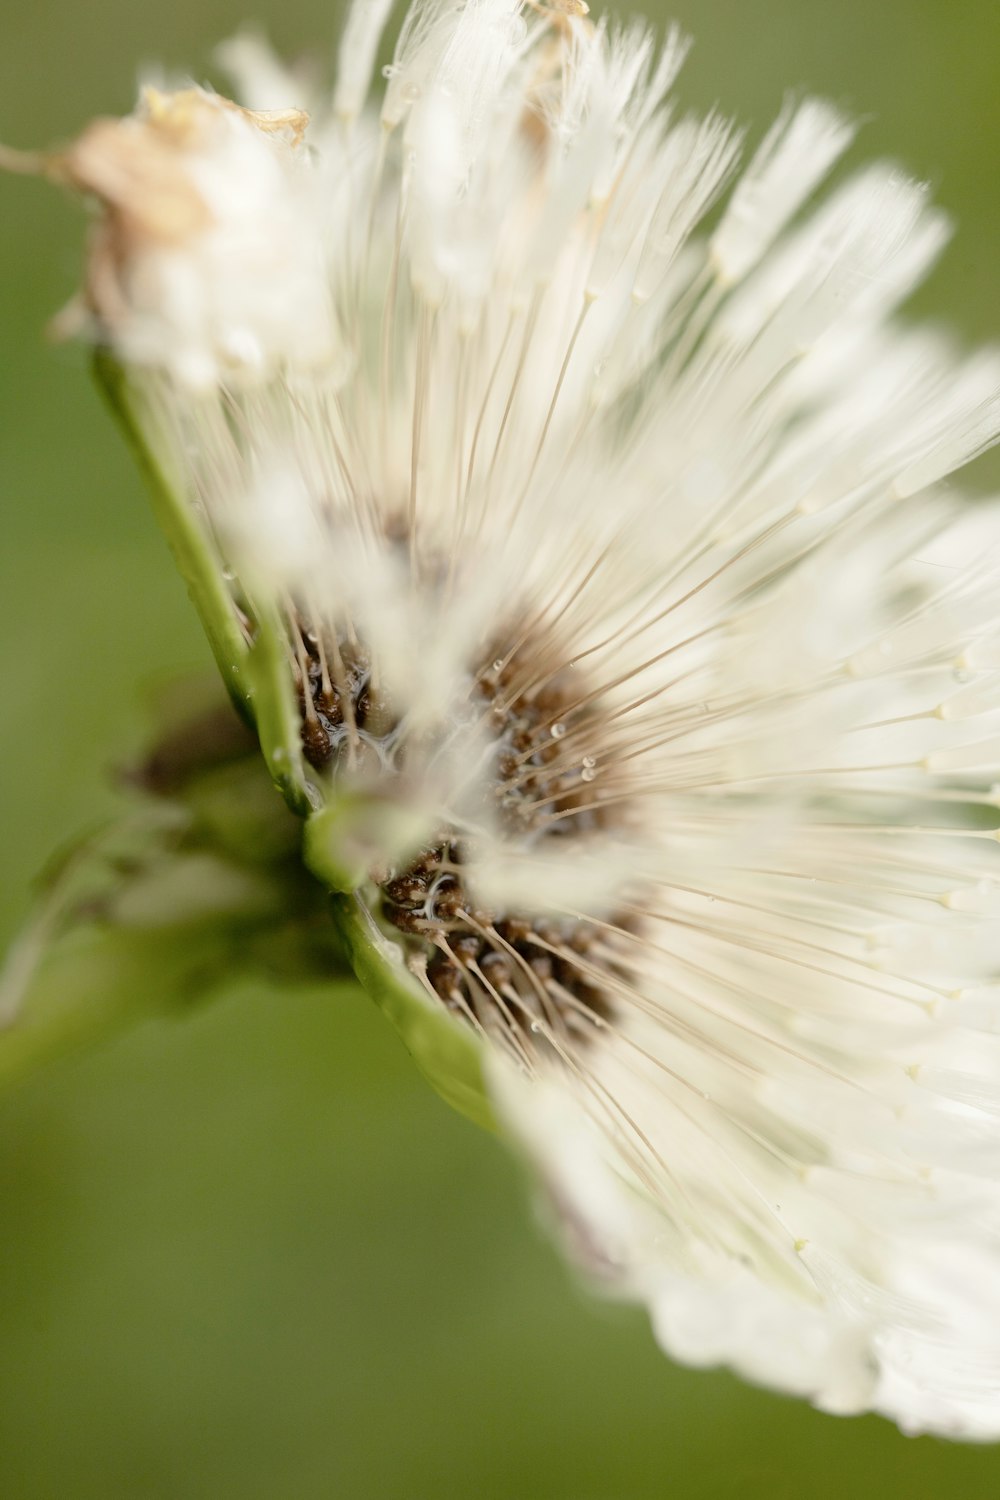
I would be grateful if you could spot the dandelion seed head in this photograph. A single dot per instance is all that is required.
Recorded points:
(616, 552)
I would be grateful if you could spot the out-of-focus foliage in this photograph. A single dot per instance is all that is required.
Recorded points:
(249, 1254)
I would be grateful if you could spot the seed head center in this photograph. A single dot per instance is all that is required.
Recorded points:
(534, 980)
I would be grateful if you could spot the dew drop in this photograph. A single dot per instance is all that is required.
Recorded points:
(588, 773)
(557, 731)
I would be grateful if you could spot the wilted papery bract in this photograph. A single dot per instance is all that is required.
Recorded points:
(596, 496)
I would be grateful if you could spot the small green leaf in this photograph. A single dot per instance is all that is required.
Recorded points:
(101, 981)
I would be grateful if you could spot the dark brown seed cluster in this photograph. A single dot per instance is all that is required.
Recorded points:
(530, 973)
(537, 783)
(524, 974)
(328, 712)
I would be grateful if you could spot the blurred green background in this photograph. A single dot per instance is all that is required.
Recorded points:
(250, 1255)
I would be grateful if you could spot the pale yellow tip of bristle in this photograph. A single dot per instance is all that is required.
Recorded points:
(69, 322)
(154, 101)
(561, 9)
(24, 163)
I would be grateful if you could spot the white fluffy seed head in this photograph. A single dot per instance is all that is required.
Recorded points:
(619, 557)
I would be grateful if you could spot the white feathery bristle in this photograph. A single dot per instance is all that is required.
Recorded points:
(434, 139)
(262, 80)
(794, 157)
(425, 32)
(453, 139)
(362, 33)
(638, 79)
(696, 160)
(549, 881)
(961, 441)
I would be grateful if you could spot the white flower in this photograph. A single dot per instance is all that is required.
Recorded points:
(623, 597)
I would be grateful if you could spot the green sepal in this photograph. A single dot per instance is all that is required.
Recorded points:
(276, 713)
(443, 1049)
(358, 832)
(342, 843)
(254, 668)
(192, 549)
